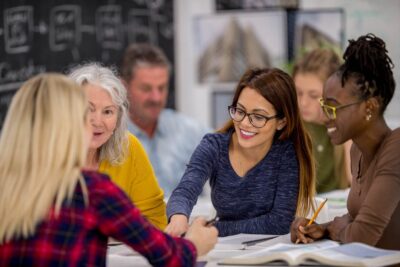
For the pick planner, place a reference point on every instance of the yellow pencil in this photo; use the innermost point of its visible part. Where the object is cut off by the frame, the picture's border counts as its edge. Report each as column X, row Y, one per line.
column 315, row 215
column 317, row 212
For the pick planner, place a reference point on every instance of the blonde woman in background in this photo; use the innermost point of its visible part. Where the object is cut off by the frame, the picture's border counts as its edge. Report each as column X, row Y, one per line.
column 51, row 213
column 113, row 150
column 332, row 162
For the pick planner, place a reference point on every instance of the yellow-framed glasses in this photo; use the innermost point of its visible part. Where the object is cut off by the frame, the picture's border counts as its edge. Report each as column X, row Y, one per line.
column 330, row 111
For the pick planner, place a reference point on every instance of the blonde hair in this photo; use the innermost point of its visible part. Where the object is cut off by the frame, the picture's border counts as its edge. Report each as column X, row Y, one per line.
column 114, row 150
column 322, row 62
column 42, row 152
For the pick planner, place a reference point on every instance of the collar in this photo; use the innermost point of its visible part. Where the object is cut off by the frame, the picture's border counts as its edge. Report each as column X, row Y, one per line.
column 161, row 128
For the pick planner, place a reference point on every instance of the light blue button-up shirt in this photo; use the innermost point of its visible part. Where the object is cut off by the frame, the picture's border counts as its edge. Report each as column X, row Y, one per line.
column 171, row 147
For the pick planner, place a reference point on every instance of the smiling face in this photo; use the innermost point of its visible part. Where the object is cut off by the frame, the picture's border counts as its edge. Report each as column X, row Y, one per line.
column 103, row 115
column 309, row 90
column 350, row 121
column 247, row 135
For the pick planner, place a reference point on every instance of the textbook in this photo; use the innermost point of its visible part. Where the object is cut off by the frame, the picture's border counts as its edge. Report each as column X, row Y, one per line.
column 325, row 252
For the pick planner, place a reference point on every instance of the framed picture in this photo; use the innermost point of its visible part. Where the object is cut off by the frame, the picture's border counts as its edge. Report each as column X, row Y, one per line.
column 318, row 28
column 221, row 99
column 229, row 43
column 222, row 5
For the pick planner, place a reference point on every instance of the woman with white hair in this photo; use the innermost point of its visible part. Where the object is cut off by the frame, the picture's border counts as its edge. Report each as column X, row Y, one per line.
column 54, row 214
column 113, row 150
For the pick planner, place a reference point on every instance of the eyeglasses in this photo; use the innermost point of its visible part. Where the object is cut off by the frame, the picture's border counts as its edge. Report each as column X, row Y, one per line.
column 257, row 120
column 330, row 111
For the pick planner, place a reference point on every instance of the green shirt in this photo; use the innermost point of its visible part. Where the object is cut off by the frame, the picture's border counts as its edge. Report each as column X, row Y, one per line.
column 329, row 168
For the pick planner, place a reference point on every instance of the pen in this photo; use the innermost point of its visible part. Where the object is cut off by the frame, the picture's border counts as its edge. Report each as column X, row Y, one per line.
column 208, row 223
column 246, row 244
column 212, row 222
column 315, row 215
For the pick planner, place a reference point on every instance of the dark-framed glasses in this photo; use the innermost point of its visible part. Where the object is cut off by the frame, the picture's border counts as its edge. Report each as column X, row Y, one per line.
column 257, row 120
column 330, row 111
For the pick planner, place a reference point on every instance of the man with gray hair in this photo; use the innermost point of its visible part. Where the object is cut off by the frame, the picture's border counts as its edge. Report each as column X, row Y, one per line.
column 168, row 137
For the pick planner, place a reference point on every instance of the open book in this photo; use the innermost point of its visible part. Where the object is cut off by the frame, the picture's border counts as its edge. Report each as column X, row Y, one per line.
column 324, row 252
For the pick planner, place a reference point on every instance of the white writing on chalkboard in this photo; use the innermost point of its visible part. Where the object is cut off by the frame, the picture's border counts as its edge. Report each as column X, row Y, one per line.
column 65, row 22
column 109, row 26
column 18, row 27
column 141, row 27
column 9, row 77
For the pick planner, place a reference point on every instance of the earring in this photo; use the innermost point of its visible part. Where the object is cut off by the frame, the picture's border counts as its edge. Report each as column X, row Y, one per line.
column 369, row 115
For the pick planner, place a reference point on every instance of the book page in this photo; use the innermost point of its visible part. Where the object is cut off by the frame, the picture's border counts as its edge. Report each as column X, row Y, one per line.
column 362, row 251
column 354, row 254
column 283, row 252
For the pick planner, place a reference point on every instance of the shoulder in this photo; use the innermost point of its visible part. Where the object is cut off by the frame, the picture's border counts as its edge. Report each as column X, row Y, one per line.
column 170, row 118
column 133, row 141
column 388, row 159
column 395, row 135
column 135, row 148
column 285, row 146
column 216, row 139
column 95, row 179
column 392, row 141
column 99, row 185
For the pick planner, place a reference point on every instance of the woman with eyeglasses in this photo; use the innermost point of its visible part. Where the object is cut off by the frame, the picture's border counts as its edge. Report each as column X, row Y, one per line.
column 259, row 165
column 310, row 72
column 354, row 100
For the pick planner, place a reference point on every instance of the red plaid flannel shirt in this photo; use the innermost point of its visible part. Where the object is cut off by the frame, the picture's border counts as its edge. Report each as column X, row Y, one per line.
column 78, row 236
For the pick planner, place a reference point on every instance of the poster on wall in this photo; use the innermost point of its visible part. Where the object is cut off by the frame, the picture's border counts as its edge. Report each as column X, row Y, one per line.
column 227, row 44
column 222, row 5
column 221, row 99
column 318, row 28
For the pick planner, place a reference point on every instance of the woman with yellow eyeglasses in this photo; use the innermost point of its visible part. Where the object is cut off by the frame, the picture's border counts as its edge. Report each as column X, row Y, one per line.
column 354, row 100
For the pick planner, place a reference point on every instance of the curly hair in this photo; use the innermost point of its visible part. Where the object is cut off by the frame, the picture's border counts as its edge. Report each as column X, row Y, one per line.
column 367, row 60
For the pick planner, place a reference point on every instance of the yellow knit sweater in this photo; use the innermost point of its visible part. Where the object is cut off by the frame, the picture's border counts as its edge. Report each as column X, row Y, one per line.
column 136, row 177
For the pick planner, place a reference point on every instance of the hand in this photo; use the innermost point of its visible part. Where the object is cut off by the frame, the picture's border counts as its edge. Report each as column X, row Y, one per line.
column 300, row 232
column 203, row 237
column 178, row 225
column 338, row 225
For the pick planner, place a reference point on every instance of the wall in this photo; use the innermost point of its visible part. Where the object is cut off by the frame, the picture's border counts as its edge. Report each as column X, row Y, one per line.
column 362, row 16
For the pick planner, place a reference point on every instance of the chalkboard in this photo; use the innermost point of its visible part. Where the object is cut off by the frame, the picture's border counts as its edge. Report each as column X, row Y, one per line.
column 53, row 35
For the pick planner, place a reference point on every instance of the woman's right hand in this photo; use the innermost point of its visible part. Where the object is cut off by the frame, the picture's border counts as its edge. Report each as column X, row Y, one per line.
column 300, row 232
column 178, row 225
column 203, row 237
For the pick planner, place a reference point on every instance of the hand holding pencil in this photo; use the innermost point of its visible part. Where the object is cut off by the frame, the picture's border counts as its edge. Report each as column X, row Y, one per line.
column 304, row 231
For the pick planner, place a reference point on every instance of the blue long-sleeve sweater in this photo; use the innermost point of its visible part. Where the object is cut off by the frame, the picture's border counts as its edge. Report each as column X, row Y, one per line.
column 261, row 202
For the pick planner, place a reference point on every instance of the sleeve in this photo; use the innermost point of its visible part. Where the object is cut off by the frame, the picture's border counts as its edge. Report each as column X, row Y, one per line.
column 145, row 190
column 278, row 219
column 381, row 201
column 198, row 171
column 119, row 218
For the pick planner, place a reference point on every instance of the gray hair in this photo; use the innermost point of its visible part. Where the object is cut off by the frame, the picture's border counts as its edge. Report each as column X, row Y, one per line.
column 115, row 149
